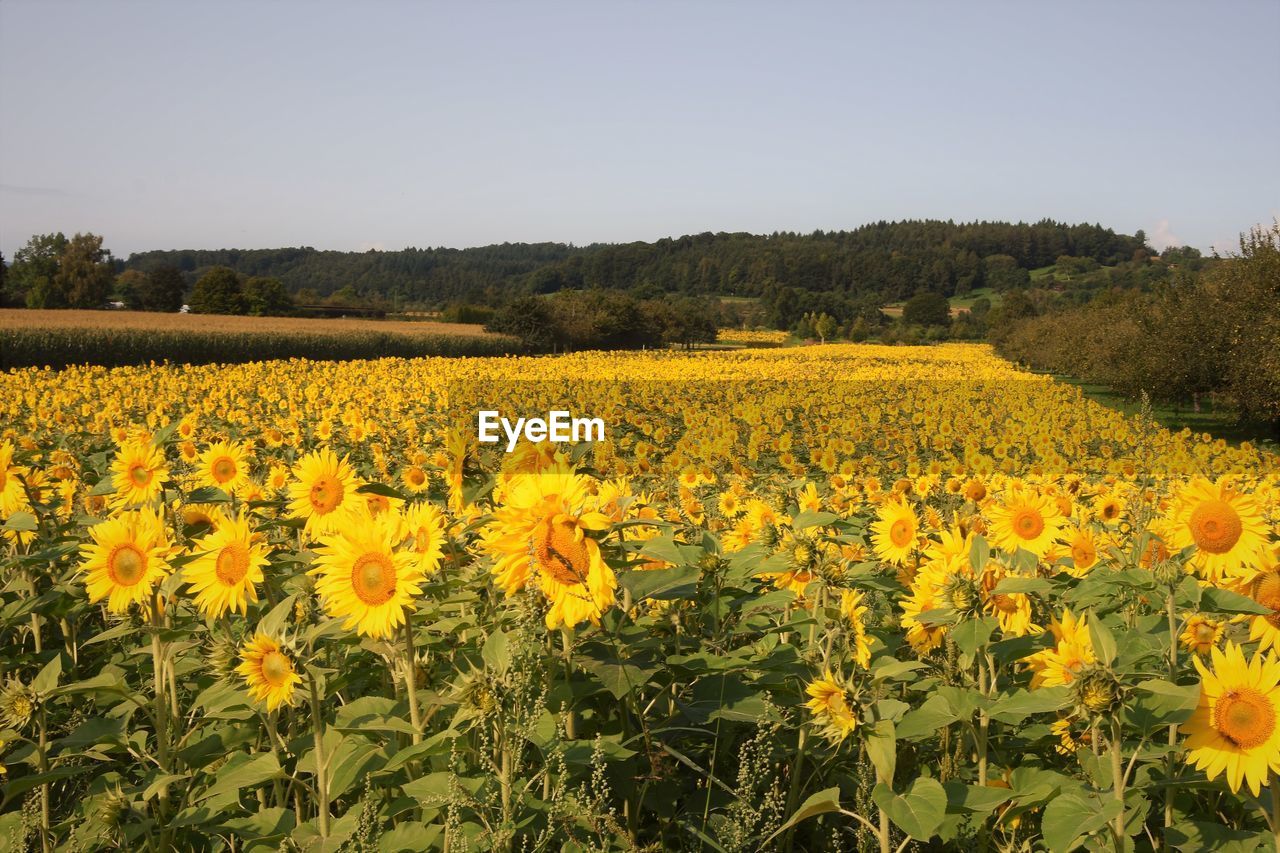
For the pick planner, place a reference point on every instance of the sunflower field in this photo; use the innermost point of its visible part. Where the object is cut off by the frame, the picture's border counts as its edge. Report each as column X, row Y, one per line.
column 842, row 597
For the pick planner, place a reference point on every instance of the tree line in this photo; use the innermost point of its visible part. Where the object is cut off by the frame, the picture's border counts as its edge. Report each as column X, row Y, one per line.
column 1212, row 328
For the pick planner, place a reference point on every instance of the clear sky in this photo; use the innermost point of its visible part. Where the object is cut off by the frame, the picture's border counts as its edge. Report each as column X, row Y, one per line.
column 382, row 124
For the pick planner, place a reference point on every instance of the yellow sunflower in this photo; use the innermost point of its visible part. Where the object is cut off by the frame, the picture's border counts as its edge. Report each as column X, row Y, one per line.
column 1026, row 520
column 12, row 496
column 1072, row 651
column 925, row 595
column 139, row 474
column 268, row 672
column 1225, row 526
column 1264, row 588
column 324, row 491
column 1011, row 609
column 1084, row 552
column 829, row 703
column 223, row 465
column 425, row 529
column 893, row 534
column 1233, row 729
column 539, row 533
column 415, row 479
column 127, row 558
column 1200, row 634
column 223, row 579
column 855, row 614
column 362, row 578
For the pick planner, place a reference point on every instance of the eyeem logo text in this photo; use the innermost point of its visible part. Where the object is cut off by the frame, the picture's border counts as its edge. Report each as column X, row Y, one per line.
column 557, row 426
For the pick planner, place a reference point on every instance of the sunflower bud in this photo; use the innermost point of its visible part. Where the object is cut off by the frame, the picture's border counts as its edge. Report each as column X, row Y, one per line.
column 962, row 595
column 1098, row 692
column 113, row 809
column 222, row 656
column 1167, row 573
column 17, row 704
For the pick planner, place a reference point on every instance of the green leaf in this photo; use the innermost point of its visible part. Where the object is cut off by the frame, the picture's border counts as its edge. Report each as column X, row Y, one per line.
column 1215, row 600
column 882, row 749
column 242, row 771
column 979, row 554
column 925, row 721
column 21, row 522
column 1104, row 642
column 919, row 812
column 410, row 837
column 1071, row 818
column 979, row 799
column 813, row 519
column 277, row 617
column 47, row 680
column 824, row 801
column 382, row 490
column 972, row 634
column 265, row 825
column 497, row 652
column 660, row 584
column 1015, row 706
column 208, row 495
column 1026, row 586
column 1193, row 836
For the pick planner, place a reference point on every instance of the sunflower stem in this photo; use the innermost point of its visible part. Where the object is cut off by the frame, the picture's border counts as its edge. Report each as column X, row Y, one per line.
column 1117, row 782
column 161, row 701
column 1173, row 728
column 1274, row 817
column 42, row 747
column 322, row 769
column 570, row 726
column 980, row 734
column 411, row 678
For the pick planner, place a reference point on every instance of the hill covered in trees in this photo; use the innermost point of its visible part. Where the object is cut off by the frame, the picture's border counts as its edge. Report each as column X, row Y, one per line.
column 842, row 273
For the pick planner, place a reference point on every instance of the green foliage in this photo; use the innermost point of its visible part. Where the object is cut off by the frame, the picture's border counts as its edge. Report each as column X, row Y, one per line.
column 601, row 319
column 927, row 309
column 264, row 296
column 218, row 291
column 162, row 290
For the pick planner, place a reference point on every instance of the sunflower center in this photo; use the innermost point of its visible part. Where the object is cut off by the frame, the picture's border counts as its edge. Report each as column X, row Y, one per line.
column 1083, row 554
column 1266, row 591
column 1205, row 633
column 900, row 533
column 233, row 563
column 126, row 564
column 1245, row 717
column 1005, row 603
column 373, row 578
column 422, row 540
column 378, row 504
column 561, row 554
column 224, row 469
column 326, row 494
column 416, row 476
column 1028, row 523
column 139, row 474
column 275, row 668
column 1215, row 526
column 1110, row 511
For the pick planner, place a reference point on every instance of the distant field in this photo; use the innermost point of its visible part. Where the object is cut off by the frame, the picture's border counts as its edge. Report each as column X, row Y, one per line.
column 113, row 338
column 150, row 321
column 959, row 304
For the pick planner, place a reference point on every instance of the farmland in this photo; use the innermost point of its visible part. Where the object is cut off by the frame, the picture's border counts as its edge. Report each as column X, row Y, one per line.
column 841, row 597
column 56, row 338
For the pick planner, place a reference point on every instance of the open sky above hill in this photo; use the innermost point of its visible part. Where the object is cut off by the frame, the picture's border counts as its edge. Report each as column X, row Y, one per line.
column 381, row 125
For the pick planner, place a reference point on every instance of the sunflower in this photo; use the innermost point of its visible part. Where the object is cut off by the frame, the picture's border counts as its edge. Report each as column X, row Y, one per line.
column 223, row 579
column 829, row 703
column 415, row 479
column 1225, row 526
column 1233, row 729
column 1084, row 552
column 1071, row 653
column 1108, row 508
column 1026, row 520
column 1200, row 634
column 1264, row 588
column 894, row 531
column 323, row 492
column 363, row 579
column 139, row 473
column 538, row 533
column 1011, row 609
column 855, row 614
column 223, row 465
column 127, row 558
column 425, row 530
column 268, row 672
column 925, row 595
column 12, row 496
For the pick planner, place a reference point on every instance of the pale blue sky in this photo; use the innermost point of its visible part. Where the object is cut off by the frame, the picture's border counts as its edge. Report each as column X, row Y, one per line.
column 383, row 124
